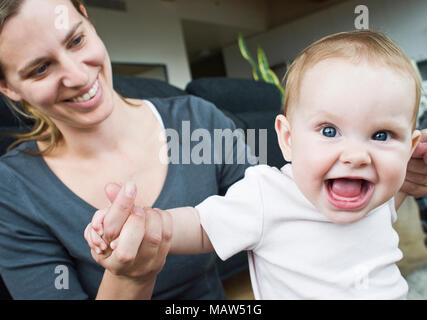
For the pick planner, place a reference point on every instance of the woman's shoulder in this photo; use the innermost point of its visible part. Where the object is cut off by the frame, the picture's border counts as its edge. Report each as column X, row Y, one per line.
column 201, row 113
column 18, row 152
column 16, row 160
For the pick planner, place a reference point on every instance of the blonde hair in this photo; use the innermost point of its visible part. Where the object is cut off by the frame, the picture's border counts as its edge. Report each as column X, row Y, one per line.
column 371, row 46
column 44, row 129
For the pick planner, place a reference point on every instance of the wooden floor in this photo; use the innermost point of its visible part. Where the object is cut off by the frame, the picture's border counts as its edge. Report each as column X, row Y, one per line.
column 238, row 287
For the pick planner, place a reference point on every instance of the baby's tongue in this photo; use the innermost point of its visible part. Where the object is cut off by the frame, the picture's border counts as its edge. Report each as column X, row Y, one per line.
column 347, row 187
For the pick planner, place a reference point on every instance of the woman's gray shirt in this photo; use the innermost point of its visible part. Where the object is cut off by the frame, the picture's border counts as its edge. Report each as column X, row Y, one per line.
column 43, row 254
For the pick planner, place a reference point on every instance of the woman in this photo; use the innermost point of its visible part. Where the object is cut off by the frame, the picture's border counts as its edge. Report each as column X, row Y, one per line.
column 85, row 136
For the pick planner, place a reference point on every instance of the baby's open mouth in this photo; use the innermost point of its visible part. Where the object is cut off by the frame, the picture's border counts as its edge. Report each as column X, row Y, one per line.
column 348, row 193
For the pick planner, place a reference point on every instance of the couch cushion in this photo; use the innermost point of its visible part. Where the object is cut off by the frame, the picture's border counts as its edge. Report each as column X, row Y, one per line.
column 142, row 88
column 237, row 95
column 250, row 104
column 264, row 120
column 10, row 118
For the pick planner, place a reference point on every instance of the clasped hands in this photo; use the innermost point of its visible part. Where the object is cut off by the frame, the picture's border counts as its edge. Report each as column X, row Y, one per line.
column 129, row 240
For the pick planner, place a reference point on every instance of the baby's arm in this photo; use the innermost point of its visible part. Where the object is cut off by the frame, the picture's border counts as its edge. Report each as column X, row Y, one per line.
column 188, row 235
column 238, row 215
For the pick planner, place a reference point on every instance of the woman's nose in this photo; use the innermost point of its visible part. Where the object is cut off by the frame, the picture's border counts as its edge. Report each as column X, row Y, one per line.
column 355, row 157
column 74, row 73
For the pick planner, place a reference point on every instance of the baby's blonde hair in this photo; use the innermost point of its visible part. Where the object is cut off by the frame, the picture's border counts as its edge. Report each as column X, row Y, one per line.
column 369, row 46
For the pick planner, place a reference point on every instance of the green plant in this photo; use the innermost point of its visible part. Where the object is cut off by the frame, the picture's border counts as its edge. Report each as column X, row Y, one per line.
column 260, row 69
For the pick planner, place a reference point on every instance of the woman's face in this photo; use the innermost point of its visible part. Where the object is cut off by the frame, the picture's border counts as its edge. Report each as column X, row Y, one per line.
column 53, row 59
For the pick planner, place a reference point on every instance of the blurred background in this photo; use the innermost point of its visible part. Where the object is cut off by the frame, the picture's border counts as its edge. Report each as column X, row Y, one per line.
column 180, row 40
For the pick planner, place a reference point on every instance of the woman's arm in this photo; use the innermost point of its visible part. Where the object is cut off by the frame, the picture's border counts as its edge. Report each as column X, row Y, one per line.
column 399, row 198
column 114, row 287
column 188, row 238
column 415, row 183
column 144, row 240
column 133, row 265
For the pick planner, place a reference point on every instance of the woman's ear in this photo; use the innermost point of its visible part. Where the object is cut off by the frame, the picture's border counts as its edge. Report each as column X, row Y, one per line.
column 283, row 131
column 9, row 92
column 83, row 10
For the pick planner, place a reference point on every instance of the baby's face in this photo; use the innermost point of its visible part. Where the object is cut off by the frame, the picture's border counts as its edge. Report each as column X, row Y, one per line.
column 350, row 136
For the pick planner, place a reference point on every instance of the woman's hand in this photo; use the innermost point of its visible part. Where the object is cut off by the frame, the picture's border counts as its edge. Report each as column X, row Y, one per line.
column 141, row 236
column 416, row 174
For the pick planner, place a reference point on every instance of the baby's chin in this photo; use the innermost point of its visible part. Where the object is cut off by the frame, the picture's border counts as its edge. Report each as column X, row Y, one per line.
column 344, row 216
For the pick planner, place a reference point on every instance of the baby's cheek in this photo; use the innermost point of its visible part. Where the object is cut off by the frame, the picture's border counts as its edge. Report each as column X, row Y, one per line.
column 392, row 174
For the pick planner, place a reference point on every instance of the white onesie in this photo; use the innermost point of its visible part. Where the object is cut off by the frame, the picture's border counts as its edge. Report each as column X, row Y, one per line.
column 294, row 251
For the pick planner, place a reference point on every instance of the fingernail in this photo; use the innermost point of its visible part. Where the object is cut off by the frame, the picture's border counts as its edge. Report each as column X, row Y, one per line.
column 130, row 189
column 100, row 233
column 97, row 250
column 139, row 211
column 113, row 244
column 103, row 246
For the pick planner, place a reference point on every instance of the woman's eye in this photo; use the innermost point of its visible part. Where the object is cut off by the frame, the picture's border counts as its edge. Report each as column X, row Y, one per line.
column 329, row 132
column 381, row 136
column 77, row 41
column 40, row 70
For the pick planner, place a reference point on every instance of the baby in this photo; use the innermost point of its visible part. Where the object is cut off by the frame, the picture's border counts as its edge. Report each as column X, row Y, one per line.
column 321, row 227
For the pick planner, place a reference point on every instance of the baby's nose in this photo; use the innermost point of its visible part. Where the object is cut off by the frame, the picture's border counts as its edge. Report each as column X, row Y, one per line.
column 355, row 157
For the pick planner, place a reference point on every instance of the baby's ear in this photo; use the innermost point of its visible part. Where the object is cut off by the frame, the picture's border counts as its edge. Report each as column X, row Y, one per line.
column 416, row 137
column 283, row 130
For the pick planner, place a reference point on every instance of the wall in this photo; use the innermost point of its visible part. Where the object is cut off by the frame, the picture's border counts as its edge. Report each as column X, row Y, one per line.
column 404, row 22
column 151, row 31
column 146, row 33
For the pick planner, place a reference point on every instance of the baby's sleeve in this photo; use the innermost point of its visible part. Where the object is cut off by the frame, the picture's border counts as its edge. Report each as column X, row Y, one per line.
column 234, row 222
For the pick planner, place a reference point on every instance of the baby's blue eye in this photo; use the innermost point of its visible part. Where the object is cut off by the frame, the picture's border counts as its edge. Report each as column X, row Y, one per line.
column 381, row 136
column 329, row 132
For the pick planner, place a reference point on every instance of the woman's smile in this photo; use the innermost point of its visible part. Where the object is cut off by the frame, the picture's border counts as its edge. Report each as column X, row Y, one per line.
column 90, row 98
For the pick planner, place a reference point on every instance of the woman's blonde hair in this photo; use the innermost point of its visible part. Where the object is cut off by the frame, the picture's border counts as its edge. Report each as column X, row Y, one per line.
column 44, row 129
column 364, row 45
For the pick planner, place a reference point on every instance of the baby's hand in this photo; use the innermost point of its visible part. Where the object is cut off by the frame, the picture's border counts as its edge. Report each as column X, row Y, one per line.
column 101, row 234
column 95, row 230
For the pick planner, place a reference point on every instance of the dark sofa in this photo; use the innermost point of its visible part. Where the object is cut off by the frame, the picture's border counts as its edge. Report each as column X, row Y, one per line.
column 250, row 104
